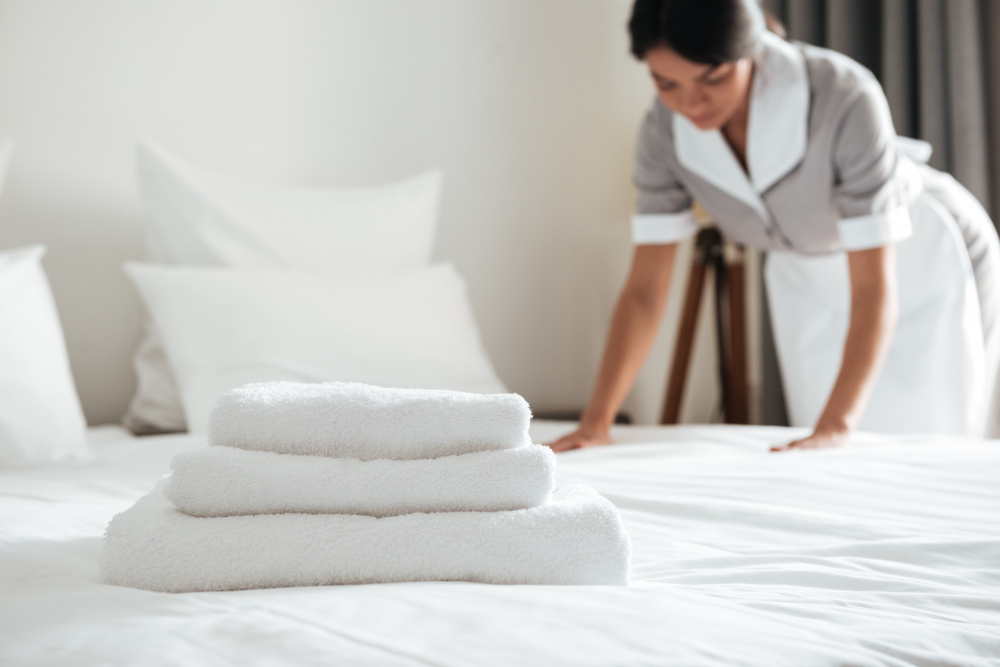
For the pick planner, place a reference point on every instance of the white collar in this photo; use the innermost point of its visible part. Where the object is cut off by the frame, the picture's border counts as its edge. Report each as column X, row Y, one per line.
column 777, row 130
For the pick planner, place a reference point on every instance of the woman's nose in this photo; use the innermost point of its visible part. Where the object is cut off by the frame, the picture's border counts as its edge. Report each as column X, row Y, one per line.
column 694, row 100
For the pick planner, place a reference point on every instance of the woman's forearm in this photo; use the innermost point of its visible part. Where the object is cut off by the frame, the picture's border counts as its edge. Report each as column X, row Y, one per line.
column 874, row 311
column 633, row 330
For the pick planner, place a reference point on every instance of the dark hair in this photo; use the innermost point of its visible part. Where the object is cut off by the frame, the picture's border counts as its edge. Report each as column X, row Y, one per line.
column 703, row 31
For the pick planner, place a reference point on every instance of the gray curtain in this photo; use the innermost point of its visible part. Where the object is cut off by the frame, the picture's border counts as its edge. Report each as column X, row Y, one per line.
column 939, row 63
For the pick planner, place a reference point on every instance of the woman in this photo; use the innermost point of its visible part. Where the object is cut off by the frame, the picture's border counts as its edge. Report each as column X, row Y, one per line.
column 791, row 149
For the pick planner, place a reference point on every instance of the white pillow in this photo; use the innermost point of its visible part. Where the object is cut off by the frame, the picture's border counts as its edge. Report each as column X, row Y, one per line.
column 198, row 217
column 156, row 404
column 40, row 416
column 223, row 328
column 202, row 218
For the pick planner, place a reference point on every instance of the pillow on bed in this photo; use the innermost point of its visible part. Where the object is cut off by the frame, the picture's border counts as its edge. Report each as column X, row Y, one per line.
column 223, row 328
column 201, row 218
column 198, row 217
column 40, row 416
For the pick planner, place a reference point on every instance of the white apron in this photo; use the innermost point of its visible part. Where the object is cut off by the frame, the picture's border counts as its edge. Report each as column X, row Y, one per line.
column 934, row 379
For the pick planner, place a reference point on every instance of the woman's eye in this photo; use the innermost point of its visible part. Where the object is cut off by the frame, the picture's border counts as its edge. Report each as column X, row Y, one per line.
column 666, row 87
column 719, row 78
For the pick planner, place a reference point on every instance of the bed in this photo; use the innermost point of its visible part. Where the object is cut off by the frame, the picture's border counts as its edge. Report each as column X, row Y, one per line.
column 886, row 553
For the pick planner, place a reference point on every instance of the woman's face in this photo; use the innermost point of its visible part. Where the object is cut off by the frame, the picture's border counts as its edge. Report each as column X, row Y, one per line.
column 706, row 95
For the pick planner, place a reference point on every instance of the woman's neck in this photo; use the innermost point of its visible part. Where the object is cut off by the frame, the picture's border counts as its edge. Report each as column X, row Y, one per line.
column 735, row 129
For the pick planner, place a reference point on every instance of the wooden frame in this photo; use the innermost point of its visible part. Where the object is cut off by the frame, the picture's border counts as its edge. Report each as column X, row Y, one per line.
column 730, row 281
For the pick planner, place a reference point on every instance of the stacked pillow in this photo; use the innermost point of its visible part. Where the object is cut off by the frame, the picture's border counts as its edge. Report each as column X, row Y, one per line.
column 223, row 328
column 258, row 283
column 40, row 416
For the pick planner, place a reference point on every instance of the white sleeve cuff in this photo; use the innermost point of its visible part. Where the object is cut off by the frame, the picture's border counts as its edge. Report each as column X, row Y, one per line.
column 876, row 230
column 663, row 227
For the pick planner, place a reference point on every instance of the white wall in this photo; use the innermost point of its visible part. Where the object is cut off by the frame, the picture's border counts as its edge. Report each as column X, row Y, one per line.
column 529, row 105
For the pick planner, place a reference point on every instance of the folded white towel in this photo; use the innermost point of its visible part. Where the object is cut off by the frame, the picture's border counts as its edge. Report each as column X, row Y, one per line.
column 577, row 538
column 224, row 481
column 358, row 421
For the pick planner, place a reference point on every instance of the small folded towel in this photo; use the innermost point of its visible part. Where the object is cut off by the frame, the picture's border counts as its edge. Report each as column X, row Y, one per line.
column 357, row 421
column 577, row 538
column 224, row 481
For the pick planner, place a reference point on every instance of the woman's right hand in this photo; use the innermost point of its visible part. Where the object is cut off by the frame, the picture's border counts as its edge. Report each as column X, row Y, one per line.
column 582, row 437
column 633, row 330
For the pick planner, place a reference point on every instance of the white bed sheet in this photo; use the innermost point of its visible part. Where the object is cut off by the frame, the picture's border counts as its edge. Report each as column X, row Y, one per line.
column 887, row 553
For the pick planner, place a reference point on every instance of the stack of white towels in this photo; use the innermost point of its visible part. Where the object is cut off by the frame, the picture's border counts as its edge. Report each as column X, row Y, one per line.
column 339, row 483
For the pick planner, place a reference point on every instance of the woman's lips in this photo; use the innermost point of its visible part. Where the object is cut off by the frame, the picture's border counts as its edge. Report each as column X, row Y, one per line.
column 704, row 119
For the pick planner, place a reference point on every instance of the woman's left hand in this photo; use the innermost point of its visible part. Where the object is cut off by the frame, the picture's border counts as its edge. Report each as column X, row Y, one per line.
column 819, row 439
column 874, row 311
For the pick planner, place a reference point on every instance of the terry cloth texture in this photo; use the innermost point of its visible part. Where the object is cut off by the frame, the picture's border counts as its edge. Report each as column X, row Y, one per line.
column 224, row 481
column 576, row 539
column 356, row 421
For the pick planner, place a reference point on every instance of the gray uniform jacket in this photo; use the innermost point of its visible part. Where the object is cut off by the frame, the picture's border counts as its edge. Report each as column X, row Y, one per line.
column 822, row 168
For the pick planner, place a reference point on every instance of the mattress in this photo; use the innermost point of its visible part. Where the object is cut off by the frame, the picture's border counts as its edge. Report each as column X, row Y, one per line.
column 885, row 553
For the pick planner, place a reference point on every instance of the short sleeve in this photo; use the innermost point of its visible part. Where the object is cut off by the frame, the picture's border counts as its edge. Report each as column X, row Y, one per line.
column 874, row 188
column 663, row 209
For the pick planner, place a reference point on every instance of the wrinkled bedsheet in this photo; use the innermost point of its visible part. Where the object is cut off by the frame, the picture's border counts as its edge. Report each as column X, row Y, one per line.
column 885, row 553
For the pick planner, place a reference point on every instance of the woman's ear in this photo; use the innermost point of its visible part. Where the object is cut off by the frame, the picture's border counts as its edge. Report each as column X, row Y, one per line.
column 775, row 25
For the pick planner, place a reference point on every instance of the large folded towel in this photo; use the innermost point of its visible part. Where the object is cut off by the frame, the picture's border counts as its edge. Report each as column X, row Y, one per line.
column 224, row 481
column 577, row 538
column 357, row 421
